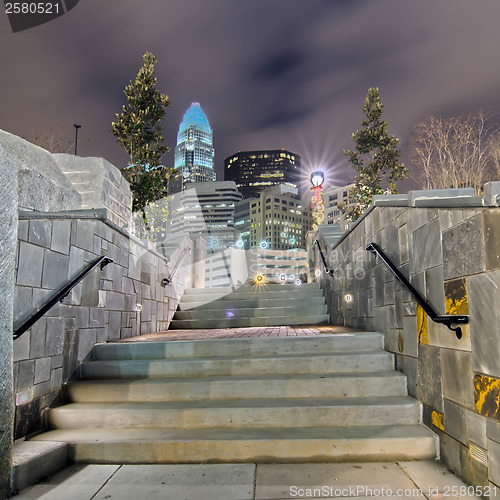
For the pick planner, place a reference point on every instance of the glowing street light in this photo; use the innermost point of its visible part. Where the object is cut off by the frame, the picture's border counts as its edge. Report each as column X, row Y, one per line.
column 317, row 179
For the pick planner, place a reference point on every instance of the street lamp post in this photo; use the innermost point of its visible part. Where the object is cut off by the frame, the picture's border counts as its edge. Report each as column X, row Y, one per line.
column 318, row 201
column 76, row 135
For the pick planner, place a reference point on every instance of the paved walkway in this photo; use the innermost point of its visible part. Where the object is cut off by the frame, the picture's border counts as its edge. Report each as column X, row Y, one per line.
column 238, row 333
column 395, row 480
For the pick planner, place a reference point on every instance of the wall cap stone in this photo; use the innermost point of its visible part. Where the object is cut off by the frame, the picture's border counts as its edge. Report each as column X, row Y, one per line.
column 492, row 194
column 449, row 202
column 439, row 193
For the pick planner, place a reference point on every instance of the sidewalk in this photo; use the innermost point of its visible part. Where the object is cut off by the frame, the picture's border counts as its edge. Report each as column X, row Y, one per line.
column 397, row 480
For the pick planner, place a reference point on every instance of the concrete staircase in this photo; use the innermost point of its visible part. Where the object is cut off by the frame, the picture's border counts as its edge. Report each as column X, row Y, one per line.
column 247, row 305
column 292, row 399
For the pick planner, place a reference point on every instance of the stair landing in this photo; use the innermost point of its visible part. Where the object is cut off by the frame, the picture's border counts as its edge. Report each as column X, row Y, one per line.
column 242, row 333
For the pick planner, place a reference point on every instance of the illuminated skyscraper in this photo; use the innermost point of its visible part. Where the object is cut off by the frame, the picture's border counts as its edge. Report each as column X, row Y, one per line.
column 194, row 153
column 256, row 171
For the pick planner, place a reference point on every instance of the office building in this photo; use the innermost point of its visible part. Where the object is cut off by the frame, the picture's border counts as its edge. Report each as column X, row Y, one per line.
column 333, row 197
column 206, row 208
column 194, row 152
column 256, row 171
column 279, row 219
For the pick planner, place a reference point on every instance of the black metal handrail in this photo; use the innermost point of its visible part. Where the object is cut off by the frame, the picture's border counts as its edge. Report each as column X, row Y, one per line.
column 167, row 281
column 328, row 271
column 60, row 295
column 452, row 321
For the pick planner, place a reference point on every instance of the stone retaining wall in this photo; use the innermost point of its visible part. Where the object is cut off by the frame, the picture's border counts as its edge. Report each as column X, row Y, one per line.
column 53, row 247
column 449, row 249
column 8, row 234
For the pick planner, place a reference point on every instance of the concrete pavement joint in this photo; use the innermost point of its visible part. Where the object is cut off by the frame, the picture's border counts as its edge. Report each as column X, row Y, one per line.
column 106, row 482
column 417, row 487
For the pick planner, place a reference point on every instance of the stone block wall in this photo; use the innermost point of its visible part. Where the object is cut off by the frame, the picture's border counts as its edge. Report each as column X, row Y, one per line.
column 451, row 255
column 100, row 184
column 54, row 247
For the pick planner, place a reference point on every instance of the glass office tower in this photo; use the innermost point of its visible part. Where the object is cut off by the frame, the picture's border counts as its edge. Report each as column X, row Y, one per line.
column 256, row 171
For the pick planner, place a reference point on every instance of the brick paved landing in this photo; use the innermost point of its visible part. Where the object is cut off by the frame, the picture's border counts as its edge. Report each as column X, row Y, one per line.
column 235, row 333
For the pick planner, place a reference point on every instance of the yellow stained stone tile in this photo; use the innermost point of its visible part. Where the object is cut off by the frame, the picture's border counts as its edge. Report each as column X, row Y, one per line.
column 455, row 292
column 437, row 420
column 422, row 328
column 487, row 396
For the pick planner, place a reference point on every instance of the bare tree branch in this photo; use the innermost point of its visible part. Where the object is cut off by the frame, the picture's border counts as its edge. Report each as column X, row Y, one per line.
column 51, row 141
column 453, row 152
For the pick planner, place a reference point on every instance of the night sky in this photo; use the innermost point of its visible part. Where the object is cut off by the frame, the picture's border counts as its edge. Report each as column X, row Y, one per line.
column 269, row 74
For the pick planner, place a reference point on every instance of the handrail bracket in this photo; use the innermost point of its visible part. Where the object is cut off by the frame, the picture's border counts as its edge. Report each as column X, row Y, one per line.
column 330, row 272
column 166, row 281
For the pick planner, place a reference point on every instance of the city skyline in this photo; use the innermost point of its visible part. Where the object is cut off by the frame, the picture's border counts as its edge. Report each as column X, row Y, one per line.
column 270, row 75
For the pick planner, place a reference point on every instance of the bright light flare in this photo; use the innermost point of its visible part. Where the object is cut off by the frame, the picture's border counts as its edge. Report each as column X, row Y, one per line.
column 258, row 279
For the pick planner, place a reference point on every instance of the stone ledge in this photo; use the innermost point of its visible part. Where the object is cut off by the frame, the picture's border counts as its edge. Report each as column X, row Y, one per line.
column 448, row 194
column 390, row 200
column 449, row 202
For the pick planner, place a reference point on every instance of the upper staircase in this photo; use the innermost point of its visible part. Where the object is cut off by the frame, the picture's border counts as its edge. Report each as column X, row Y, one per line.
column 292, row 399
column 247, row 305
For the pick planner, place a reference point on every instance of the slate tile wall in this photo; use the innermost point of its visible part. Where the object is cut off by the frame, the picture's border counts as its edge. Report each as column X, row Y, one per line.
column 101, row 308
column 452, row 257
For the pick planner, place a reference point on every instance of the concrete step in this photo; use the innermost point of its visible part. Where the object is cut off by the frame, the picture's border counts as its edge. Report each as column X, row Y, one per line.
column 254, row 413
column 252, row 288
column 279, row 445
column 323, row 398
column 348, row 362
column 251, row 306
column 237, row 312
column 248, row 322
column 256, row 303
column 32, row 460
column 242, row 347
column 298, row 293
column 236, row 388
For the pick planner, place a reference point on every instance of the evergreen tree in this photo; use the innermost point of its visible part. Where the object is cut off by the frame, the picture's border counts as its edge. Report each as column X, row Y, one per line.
column 375, row 159
column 137, row 128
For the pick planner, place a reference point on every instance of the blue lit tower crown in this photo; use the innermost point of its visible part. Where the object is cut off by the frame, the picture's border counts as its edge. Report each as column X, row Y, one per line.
column 194, row 153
